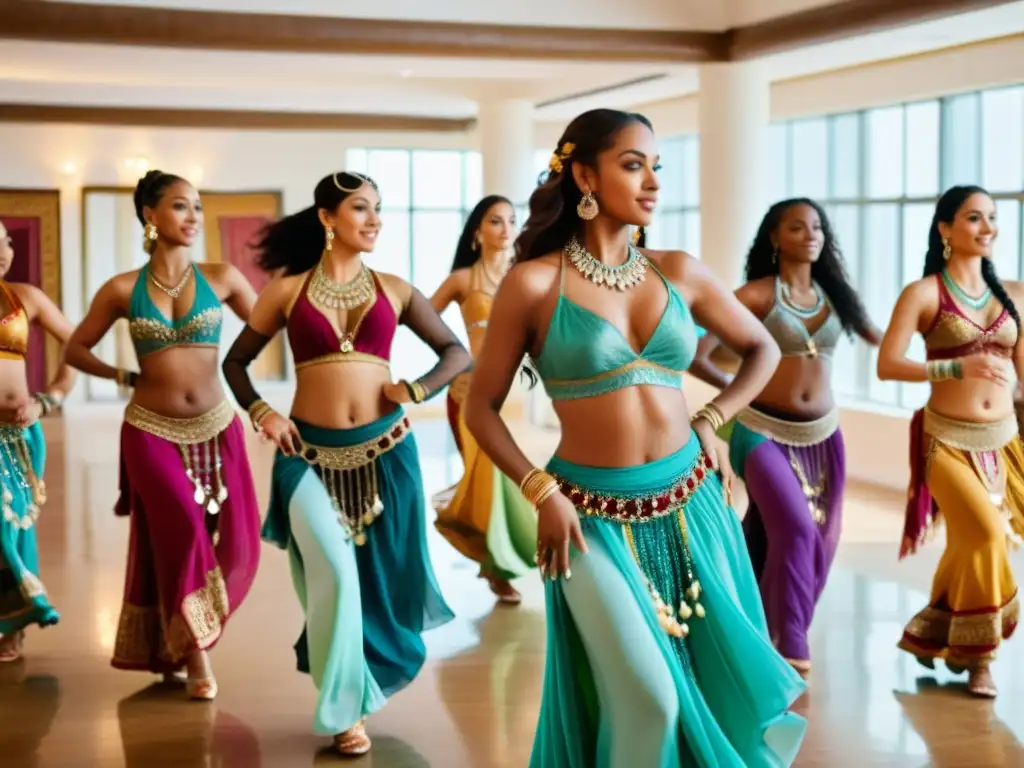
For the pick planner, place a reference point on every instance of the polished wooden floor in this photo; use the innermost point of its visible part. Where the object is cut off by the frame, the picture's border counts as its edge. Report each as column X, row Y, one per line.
column 475, row 703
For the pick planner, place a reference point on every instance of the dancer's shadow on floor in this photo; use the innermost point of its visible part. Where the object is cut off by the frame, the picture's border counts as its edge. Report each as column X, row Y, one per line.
column 159, row 728
column 28, row 706
column 958, row 729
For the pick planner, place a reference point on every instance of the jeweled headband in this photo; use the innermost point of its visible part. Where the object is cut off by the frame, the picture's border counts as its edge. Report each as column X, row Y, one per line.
column 362, row 177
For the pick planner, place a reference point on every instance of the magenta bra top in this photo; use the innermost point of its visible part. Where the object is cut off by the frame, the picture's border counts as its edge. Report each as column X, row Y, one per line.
column 314, row 341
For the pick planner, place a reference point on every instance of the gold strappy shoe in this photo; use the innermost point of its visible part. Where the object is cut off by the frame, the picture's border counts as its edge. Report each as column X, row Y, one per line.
column 354, row 741
column 201, row 688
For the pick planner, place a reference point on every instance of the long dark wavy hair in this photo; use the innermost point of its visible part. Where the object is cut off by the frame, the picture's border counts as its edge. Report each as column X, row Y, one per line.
column 828, row 271
column 465, row 255
column 553, row 220
column 296, row 243
column 149, row 190
column 946, row 209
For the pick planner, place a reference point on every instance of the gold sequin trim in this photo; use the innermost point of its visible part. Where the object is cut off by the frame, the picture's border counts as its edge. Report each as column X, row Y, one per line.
column 153, row 329
column 343, row 357
column 970, row 435
column 198, row 429
column 965, row 637
column 18, row 457
column 799, row 434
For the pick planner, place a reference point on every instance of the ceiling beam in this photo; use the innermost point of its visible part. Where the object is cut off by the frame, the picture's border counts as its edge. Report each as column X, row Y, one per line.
column 218, row 30
column 225, row 118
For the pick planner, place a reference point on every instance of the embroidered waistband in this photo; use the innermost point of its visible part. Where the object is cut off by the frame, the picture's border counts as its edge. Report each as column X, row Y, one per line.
column 343, row 357
column 11, row 433
column 639, row 509
column 970, row 435
column 198, row 429
column 349, row 475
column 798, row 434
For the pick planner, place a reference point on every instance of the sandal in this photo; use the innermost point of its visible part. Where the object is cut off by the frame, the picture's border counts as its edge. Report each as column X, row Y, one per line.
column 506, row 593
column 354, row 741
column 10, row 646
column 201, row 688
column 981, row 684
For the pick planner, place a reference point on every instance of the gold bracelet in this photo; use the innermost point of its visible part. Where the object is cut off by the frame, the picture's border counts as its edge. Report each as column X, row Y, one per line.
column 538, row 486
column 258, row 411
column 417, row 392
column 712, row 414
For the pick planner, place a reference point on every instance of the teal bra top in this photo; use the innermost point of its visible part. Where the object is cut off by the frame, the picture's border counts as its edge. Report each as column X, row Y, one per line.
column 584, row 355
column 150, row 329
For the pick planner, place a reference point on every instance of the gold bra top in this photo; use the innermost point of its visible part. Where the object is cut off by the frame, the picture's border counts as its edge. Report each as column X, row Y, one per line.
column 476, row 309
column 953, row 334
column 14, row 327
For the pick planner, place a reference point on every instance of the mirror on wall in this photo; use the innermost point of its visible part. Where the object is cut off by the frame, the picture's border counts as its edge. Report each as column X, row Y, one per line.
column 112, row 243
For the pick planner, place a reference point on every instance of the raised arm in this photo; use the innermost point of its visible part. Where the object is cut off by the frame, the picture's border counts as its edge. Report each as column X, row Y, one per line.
column 423, row 320
column 723, row 315
column 703, row 366
column 108, row 306
column 265, row 320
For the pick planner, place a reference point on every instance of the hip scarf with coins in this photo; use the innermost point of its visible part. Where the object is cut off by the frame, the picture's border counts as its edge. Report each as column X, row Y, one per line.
column 973, row 474
column 194, row 544
column 23, row 598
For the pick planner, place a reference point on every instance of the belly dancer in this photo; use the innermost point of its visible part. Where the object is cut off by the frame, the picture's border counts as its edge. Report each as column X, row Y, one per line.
column 185, row 477
column 966, row 458
column 658, row 653
column 23, row 597
column 787, row 446
column 484, row 516
column 347, row 498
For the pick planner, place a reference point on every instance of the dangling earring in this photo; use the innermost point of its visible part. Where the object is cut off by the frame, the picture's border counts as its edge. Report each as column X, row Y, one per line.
column 149, row 237
column 775, row 255
column 587, row 209
column 947, row 249
column 476, row 244
column 329, row 238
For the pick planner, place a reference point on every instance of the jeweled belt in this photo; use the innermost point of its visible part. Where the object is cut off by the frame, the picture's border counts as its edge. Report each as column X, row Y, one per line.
column 16, row 451
column 349, row 473
column 628, row 510
column 798, row 434
column 197, row 441
column 970, row 435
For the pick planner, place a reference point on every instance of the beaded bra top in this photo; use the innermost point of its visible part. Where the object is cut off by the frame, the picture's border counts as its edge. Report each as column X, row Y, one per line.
column 314, row 340
column 953, row 334
column 476, row 309
column 791, row 334
column 584, row 355
column 14, row 327
column 152, row 331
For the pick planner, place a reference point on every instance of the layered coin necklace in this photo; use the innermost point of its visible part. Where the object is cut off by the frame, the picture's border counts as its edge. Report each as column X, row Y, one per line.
column 331, row 295
column 623, row 277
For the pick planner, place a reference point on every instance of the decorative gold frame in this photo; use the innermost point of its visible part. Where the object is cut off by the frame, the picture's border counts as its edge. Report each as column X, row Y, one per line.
column 43, row 204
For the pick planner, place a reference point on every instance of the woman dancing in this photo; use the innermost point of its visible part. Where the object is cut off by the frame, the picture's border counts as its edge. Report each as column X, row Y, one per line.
column 657, row 651
column 966, row 459
column 485, row 516
column 23, row 598
column 347, row 495
column 185, row 477
column 787, row 445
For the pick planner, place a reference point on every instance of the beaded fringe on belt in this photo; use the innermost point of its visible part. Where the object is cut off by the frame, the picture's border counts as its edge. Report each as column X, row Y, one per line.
column 197, row 441
column 349, row 474
column 12, row 443
column 642, row 509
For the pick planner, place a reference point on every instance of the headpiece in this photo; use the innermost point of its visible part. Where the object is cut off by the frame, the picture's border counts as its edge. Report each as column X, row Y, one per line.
column 559, row 156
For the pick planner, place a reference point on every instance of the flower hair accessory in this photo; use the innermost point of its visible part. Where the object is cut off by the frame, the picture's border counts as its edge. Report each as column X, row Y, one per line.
column 559, row 156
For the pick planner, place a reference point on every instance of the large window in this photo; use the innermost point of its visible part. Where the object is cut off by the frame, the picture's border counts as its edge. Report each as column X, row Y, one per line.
column 879, row 173
column 426, row 196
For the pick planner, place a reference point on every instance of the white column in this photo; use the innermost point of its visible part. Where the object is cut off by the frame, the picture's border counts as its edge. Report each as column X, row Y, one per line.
column 506, row 144
column 734, row 108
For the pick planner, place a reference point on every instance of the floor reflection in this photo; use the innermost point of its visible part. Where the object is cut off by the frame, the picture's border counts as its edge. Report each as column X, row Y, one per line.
column 28, row 706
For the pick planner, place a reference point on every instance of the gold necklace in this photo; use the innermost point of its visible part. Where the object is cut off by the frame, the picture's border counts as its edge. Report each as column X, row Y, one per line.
column 329, row 294
column 494, row 281
column 174, row 292
column 623, row 277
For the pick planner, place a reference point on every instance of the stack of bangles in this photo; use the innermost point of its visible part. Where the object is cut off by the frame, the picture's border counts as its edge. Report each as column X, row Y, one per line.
column 49, row 403
column 537, row 487
column 125, row 378
column 712, row 414
column 417, row 392
column 943, row 370
column 258, row 411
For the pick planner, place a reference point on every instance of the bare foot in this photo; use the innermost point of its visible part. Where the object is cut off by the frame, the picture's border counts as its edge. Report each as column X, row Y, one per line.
column 505, row 591
column 981, row 684
column 10, row 646
column 354, row 741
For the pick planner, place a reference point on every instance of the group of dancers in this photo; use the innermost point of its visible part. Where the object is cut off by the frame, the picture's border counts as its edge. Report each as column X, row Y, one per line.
column 675, row 636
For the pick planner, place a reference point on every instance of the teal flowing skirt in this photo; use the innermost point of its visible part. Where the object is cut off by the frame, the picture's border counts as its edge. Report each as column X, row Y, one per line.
column 366, row 605
column 619, row 691
column 23, row 599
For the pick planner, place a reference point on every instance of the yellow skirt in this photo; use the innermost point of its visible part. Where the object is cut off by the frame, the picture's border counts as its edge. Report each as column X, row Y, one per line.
column 485, row 517
column 974, row 604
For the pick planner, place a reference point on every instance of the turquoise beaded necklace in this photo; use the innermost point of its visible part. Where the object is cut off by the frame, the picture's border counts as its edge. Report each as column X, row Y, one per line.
column 962, row 296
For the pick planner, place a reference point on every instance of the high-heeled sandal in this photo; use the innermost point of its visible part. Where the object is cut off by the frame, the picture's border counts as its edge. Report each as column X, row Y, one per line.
column 201, row 688
column 353, row 742
column 980, row 683
column 11, row 645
